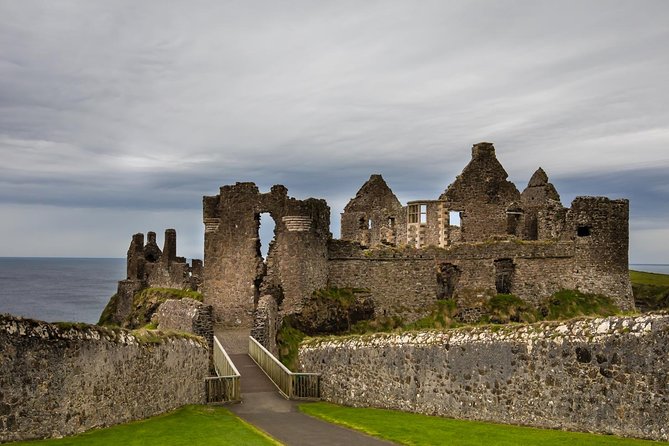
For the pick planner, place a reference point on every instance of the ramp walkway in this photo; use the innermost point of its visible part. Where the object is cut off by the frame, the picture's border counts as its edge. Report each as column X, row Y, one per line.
column 263, row 406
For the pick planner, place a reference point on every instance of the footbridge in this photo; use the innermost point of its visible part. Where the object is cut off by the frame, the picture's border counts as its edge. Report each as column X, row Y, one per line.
column 268, row 394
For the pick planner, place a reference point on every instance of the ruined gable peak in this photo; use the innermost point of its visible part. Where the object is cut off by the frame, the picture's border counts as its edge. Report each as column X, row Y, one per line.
column 483, row 149
column 375, row 192
column 483, row 180
column 539, row 190
column 539, row 178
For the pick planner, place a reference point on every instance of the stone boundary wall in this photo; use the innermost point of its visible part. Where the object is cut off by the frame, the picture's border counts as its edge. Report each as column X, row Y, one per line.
column 607, row 375
column 58, row 380
column 187, row 315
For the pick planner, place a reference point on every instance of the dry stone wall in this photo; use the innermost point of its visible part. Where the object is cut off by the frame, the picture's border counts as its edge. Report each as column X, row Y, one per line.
column 57, row 381
column 608, row 375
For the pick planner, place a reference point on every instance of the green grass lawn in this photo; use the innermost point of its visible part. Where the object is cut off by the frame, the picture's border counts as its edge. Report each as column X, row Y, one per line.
column 187, row 426
column 417, row 430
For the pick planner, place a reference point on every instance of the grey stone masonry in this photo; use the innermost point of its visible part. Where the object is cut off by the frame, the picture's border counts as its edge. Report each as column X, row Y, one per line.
column 607, row 375
column 59, row 380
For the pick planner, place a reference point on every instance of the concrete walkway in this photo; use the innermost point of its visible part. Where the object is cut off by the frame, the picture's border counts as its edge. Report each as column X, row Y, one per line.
column 265, row 408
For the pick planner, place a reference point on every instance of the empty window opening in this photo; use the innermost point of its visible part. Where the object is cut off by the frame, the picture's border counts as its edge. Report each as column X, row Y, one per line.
column 512, row 221
column 532, row 226
column 454, row 218
column 391, row 222
column 414, row 213
column 369, row 224
column 266, row 227
column 583, row 231
column 423, row 214
column 448, row 276
column 504, row 269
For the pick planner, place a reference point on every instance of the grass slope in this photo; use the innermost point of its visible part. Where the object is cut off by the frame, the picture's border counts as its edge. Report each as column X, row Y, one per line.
column 651, row 290
column 187, row 426
column 418, row 430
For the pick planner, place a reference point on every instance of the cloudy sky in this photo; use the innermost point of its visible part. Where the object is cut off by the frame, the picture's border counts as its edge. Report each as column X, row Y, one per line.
column 116, row 117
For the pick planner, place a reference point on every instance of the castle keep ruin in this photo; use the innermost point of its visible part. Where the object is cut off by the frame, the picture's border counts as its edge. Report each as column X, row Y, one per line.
column 479, row 238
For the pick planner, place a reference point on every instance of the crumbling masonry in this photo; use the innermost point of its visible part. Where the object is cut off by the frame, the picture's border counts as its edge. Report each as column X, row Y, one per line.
column 149, row 266
column 480, row 237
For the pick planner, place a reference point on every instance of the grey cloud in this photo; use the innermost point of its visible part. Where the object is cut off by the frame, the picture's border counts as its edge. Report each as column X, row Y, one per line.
column 148, row 106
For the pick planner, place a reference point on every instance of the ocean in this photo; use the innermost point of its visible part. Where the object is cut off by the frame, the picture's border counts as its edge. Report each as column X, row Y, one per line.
column 77, row 290
column 58, row 289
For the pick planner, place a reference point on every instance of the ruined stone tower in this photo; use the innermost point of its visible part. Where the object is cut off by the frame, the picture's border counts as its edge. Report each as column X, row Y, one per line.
column 235, row 274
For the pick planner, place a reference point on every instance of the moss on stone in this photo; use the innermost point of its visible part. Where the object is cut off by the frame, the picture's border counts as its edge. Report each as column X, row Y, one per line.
column 145, row 303
column 288, row 341
column 106, row 318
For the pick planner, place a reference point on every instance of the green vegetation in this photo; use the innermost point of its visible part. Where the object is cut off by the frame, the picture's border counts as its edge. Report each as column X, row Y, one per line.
column 70, row 325
column 651, row 290
column 385, row 324
column 643, row 278
column 499, row 309
column 567, row 304
column 418, row 430
column 187, row 426
column 144, row 304
column 288, row 341
column 344, row 297
column 505, row 308
column 107, row 315
column 443, row 316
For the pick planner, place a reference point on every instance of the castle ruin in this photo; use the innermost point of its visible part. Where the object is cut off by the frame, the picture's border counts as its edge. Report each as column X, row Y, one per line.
column 479, row 238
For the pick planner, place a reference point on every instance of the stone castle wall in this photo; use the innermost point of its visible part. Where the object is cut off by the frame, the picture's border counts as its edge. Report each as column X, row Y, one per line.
column 62, row 381
column 404, row 282
column 607, row 375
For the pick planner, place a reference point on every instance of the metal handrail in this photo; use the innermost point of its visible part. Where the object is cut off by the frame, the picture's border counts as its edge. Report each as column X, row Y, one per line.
column 291, row 385
column 225, row 387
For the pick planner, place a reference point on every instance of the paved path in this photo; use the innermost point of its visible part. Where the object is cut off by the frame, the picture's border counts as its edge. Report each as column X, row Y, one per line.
column 265, row 408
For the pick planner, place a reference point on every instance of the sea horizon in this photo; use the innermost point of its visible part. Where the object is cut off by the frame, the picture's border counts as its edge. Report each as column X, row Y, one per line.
column 76, row 289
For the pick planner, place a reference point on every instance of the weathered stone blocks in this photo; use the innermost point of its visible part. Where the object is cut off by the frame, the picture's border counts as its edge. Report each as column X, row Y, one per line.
column 62, row 380
column 608, row 375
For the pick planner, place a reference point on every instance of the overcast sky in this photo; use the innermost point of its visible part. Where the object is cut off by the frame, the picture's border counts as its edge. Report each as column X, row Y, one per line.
column 117, row 117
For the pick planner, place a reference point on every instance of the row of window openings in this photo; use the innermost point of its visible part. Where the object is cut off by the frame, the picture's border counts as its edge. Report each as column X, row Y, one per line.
column 418, row 214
